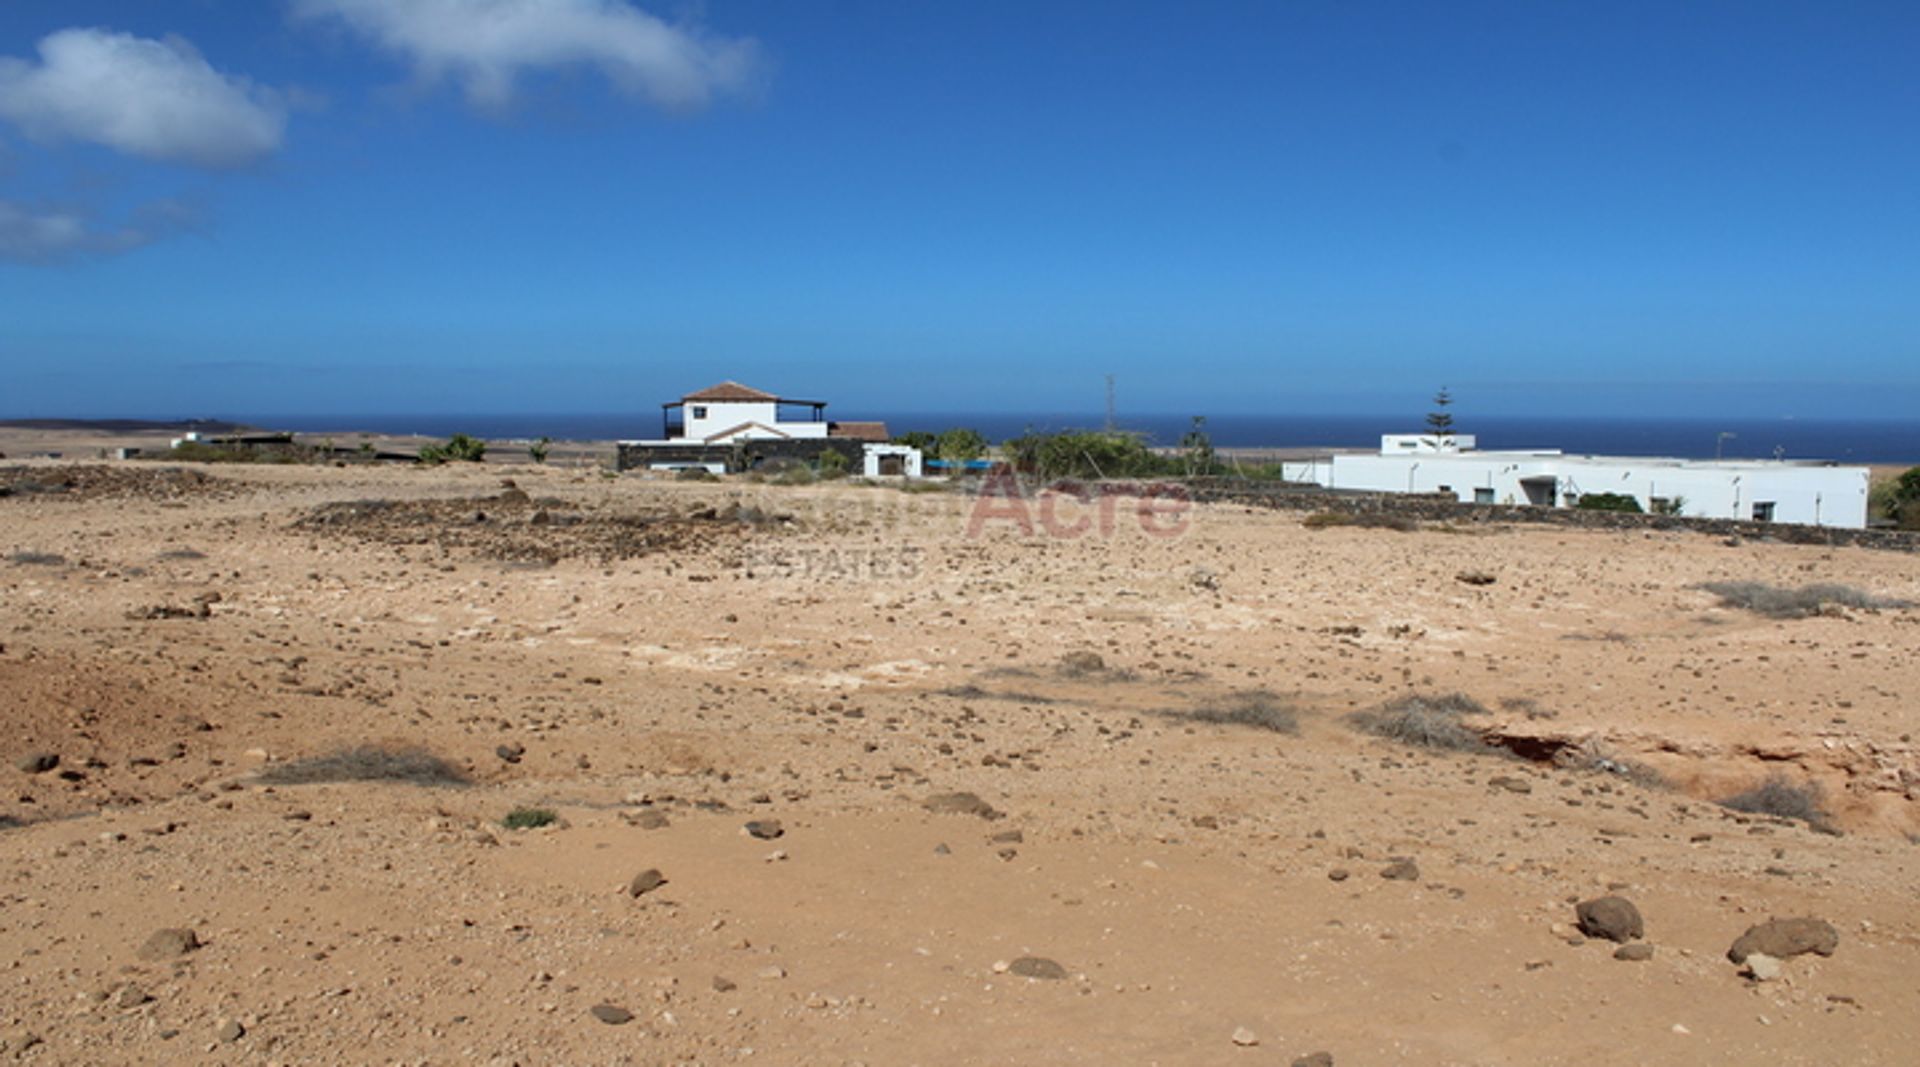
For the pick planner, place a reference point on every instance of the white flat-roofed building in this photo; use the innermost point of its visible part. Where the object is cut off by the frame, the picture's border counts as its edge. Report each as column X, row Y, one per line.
column 1797, row 491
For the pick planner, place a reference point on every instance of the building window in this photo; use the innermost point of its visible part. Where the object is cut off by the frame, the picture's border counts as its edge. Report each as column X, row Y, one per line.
column 699, row 411
column 1483, row 495
column 1763, row 511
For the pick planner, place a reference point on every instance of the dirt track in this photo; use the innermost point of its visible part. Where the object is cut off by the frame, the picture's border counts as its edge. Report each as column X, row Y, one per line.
column 700, row 656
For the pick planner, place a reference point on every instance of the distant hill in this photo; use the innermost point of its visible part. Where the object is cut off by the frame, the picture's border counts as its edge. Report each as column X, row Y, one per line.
column 126, row 425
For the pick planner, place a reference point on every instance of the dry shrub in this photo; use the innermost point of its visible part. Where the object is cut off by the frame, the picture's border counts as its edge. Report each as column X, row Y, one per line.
column 1782, row 799
column 1257, row 708
column 1425, row 721
column 1321, row 520
column 36, row 559
column 530, row 818
column 367, row 763
column 1780, row 602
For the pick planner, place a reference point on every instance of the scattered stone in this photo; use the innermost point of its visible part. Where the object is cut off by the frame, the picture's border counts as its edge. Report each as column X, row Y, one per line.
column 1009, row 837
column 1082, row 663
column 650, row 819
column 1614, row 918
column 1339, row 874
column 1037, row 967
column 1401, row 871
column 131, row 996
column 1510, row 784
column 773, row 971
column 765, row 829
column 510, row 753
column 229, row 1031
column 1475, row 578
column 38, row 762
column 169, row 943
column 1761, row 967
column 1638, row 952
column 724, row 985
column 1315, row 1059
column 1245, row 1038
column 1781, row 938
column 646, row 882
column 960, row 804
column 611, row 1014
column 18, row 1041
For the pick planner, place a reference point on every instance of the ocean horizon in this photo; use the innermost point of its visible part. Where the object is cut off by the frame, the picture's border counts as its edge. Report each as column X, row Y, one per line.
column 1840, row 440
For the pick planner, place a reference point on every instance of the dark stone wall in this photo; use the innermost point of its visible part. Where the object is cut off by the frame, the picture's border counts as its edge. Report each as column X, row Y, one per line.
column 748, row 456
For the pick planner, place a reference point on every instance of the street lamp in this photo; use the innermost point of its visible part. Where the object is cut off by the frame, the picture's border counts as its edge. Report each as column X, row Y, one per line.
column 1720, row 441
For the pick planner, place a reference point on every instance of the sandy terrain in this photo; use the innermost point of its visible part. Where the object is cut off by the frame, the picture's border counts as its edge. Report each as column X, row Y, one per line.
column 660, row 663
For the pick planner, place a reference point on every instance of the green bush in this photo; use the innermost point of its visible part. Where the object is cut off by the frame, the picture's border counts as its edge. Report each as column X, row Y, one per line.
column 529, row 818
column 1608, row 502
column 834, row 464
column 538, row 450
column 1086, row 454
column 459, row 448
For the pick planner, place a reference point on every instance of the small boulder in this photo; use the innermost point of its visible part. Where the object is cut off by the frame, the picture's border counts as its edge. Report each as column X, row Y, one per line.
column 1315, row 1059
column 1781, row 938
column 1401, row 871
column 646, row 882
column 38, row 762
column 765, row 829
column 1082, row 663
column 169, row 943
column 229, row 1030
column 960, row 804
column 1638, row 952
column 1245, row 1038
column 1614, row 918
column 1761, row 967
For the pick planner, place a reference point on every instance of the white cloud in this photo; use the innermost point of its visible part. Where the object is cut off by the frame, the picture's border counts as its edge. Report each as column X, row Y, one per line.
column 157, row 99
column 486, row 45
column 56, row 234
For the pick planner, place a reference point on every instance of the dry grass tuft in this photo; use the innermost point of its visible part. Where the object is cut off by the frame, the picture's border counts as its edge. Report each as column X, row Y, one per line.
column 1780, row 602
column 1425, row 721
column 367, row 763
column 1782, row 799
column 1257, row 708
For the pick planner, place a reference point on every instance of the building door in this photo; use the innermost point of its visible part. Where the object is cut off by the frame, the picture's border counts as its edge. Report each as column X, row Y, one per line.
column 1763, row 511
column 893, row 465
column 1539, row 491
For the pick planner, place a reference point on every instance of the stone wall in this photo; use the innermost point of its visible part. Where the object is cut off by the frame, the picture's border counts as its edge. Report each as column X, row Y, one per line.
column 746, row 456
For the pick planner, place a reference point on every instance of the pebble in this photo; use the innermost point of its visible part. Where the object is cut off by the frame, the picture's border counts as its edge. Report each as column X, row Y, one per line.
column 1638, row 952
column 1315, row 1059
column 1037, row 967
column 1245, row 1038
column 960, row 804
column 1401, row 871
column 1761, row 967
column 773, row 971
column 229, row 1030
column 611, row 1014
column 646, row 882
column 765, row 829
column 38, row 762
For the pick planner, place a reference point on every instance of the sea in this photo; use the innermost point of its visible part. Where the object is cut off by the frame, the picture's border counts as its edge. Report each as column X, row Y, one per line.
column 1889, row 441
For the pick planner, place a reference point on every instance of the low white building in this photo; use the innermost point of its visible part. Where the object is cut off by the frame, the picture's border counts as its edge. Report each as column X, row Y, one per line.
column 1810, row 493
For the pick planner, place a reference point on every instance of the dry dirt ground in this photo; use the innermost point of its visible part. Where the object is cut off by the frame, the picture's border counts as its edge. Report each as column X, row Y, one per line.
column 660, row 664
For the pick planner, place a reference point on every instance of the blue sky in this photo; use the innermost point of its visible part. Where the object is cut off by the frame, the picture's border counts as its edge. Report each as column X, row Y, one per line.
column 228, row 207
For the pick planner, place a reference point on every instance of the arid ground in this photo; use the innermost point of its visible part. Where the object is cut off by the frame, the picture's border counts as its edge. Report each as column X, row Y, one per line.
column 1017, row 798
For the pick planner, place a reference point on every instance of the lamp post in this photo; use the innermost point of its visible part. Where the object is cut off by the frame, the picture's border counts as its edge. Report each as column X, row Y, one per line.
column 1720, row 441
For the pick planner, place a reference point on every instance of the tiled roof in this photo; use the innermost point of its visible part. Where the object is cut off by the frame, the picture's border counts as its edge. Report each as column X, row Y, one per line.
column 730, row 391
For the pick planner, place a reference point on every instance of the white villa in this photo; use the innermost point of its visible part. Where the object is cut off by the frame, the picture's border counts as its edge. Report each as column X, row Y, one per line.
column 1810, row 493
column 711, row 427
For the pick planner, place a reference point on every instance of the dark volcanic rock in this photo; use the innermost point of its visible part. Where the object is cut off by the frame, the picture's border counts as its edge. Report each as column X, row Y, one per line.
column 1781, row 938
column 1614, row 918
column 765, row 829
